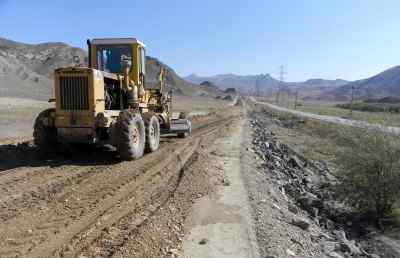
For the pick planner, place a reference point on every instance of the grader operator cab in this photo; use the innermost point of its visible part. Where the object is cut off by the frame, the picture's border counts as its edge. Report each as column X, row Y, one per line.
column 109, row 102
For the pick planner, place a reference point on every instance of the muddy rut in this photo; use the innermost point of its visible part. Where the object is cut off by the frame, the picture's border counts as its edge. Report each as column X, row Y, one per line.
column 71, row 204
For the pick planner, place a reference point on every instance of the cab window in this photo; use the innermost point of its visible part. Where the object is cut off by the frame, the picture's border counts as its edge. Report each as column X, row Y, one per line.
column 111, row 58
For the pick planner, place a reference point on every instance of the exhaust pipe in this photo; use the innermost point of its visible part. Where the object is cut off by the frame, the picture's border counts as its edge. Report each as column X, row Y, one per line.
column 89, row 44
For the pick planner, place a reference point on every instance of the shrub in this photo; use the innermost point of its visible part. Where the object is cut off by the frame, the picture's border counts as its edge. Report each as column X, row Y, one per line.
column 369, row 171
column 371, row 107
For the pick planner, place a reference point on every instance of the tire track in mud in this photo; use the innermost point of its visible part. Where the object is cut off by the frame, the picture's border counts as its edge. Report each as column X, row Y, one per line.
column 112, row 208
column 85, row 206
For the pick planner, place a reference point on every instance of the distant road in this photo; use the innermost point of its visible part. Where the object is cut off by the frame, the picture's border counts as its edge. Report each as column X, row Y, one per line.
column 332, row 119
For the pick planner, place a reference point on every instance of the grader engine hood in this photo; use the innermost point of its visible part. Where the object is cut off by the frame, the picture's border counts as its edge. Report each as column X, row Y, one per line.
column 79, row 96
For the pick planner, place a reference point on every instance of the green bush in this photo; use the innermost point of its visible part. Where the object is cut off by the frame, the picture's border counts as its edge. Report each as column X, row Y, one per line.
column 371, row 107
column 369, row 171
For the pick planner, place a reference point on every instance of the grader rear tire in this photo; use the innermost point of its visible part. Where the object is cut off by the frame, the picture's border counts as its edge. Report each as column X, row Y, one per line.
column 129, row 135
column 152, row 132
column 44, row 136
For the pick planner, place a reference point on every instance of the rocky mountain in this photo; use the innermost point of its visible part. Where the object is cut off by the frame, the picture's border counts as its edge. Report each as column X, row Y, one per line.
column 26, row 70
column 243, row 83
column 321, row 83
column 265, row 83
column 174, row 81
column 386, row 83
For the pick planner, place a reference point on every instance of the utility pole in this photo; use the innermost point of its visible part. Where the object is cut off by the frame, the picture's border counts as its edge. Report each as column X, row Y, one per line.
column 352, row 99
column 257, row 86
column 281, row 75
column 295, row 99
column 353, row 91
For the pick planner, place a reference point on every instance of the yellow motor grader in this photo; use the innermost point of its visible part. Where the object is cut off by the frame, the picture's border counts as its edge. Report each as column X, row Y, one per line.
column 109, row 102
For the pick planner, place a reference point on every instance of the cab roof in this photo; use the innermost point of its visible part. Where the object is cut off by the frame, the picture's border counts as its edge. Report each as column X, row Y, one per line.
column 116, row 41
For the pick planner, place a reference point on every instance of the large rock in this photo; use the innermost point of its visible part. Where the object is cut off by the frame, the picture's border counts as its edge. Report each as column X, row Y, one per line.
column 293, row 208
column 350, row 247
column 373, row 256
column 309, row 201
column 295, row 162
column 329, row 246
column 301, row 222
column 347, row 246
column 335, row 255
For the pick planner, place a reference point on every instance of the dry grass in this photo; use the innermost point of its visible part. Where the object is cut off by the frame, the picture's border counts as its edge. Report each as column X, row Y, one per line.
column 316, row 140
column 324, row 108
column 197, row 104
column 17, row 116
column 329, row 109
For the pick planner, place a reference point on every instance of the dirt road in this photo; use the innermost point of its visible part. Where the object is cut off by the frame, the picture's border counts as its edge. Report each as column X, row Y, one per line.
column 204, row 196
column 89, row 203
column 333, row 119
column 223, row 220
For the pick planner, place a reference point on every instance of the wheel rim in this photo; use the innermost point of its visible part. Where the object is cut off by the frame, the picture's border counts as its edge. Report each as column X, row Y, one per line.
column 152, row 131
column 135, row 136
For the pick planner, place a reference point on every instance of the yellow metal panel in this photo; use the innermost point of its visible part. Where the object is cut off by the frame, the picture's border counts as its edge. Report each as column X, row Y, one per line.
column 134, row 75
column 80, row 118
column 97, row 92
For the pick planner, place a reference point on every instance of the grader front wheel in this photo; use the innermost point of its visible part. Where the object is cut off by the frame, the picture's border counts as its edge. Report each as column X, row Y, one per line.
column 44, row 135
column 129, row 135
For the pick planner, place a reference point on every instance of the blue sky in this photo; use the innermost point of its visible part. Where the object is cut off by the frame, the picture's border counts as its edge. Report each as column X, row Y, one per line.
column 349, row 39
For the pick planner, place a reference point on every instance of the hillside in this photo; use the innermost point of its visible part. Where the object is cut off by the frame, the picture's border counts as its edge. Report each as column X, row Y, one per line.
column 267, row 84
column 174, row 81
column 26, row 70
column 243, row 83
column 322, row 83
column 386, row 83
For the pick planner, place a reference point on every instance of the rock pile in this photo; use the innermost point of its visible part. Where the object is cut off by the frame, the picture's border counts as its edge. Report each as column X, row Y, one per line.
column 308, row 186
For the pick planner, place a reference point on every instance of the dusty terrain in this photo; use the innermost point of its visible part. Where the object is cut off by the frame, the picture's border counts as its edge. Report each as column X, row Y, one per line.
column 243, row 185
column 18, row 115
column 89, row 202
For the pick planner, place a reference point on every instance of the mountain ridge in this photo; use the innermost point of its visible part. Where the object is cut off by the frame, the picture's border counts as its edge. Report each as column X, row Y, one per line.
column 263, row 82
column 383, row 84
column 26, row 70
